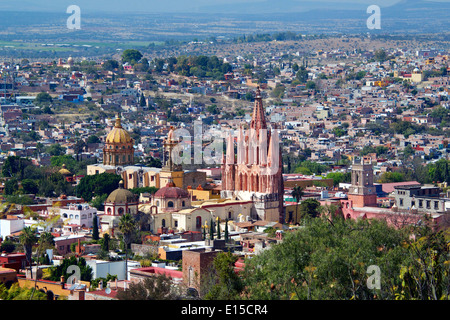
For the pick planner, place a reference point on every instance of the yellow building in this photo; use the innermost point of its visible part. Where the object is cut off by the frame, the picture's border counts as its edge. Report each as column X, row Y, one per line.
column 119, row 146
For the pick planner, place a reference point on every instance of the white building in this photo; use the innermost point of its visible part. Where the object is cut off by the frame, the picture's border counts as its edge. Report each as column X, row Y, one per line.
column 78, row 214
column 10, row 226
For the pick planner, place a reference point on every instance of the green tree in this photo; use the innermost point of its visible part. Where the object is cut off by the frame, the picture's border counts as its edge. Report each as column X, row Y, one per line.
column 388, row 177
column 338, row 177
column 309, row 208
column 95, row 234
column 110, row 65
column 60, row 270
column 11, row 186
column 28, row 239
column 127, row 226
column 43, row 98
column 105, row 242
column 15, row 166
column 132, row 56
column 328, row 260
column 211, row 230
column 56, row 150
column 29, row 186
column 223, row 282
column 297, row 194
column 380, row 55
column 302, row 75
column 96, row 185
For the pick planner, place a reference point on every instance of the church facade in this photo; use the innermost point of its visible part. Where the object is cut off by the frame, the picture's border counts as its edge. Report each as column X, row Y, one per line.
column 253, row 170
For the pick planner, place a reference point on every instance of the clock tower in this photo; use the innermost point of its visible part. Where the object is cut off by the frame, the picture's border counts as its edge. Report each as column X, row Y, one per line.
column 362, row 192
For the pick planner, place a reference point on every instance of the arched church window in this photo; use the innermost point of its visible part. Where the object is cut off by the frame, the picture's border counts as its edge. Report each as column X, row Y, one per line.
column 170, row 204
column 198, row 222
column 183, row 203
column 163, row 223
column 120, row 211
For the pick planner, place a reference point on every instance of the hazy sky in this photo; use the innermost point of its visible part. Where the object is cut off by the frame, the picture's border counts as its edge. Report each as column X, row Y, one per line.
column 156, row 6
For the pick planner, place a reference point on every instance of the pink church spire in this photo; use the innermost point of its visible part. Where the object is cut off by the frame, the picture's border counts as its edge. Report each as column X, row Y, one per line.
column 258, row 118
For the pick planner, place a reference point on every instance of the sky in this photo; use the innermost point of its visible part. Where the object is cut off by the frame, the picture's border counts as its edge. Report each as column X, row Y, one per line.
column 197, row 6
column 158, row 6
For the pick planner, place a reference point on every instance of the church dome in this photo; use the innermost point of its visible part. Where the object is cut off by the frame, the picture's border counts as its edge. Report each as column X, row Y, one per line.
column 171, row 191
column 64, row 171
column 121, row 195
column 118, row 135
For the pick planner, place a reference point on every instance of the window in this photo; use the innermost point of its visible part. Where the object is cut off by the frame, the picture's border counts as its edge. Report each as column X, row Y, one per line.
column 183, row 204
column 436, row 205
column 428, row 204
column 420, row 203
column 176, row 223
column 198, row 222
column 401, row 202
column 157, row 203
column 170, row 204
column 230, row 215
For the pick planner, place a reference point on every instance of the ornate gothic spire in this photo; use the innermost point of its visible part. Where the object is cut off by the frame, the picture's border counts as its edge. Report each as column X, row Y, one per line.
column 258, row 117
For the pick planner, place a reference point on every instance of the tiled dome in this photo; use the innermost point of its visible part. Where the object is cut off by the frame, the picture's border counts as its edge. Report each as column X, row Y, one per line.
column 121, row 195
column 118, row 135
column 171, row 191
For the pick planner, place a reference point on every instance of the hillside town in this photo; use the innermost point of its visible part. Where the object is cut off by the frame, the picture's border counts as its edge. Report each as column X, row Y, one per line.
column 91, row 169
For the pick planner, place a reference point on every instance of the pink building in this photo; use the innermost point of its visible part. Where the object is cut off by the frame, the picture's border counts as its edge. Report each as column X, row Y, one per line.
column 255, row 172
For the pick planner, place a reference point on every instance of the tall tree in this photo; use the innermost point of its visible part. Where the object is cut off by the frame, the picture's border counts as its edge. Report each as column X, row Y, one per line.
column 211, row 230
column 95, row 234
column 28, row 239
column 127, row 226
column 297, row 193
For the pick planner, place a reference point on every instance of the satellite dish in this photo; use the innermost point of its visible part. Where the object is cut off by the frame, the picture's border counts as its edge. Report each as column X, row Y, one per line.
column 108, row 290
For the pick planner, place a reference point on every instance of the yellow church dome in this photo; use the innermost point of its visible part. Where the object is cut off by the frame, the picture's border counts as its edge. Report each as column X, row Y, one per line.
column 64, row 171
column 118, row 135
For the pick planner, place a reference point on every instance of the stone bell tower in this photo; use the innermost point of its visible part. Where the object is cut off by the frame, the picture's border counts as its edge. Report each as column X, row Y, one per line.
column 362, row 191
